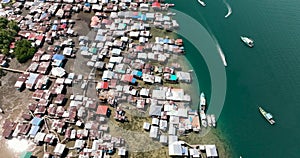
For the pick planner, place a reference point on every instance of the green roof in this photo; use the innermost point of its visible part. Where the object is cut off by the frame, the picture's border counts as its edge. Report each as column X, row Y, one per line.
column 26, row 154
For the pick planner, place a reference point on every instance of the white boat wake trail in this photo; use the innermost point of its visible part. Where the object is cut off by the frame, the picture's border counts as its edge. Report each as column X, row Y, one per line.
column 228, row 8
column 222, row 55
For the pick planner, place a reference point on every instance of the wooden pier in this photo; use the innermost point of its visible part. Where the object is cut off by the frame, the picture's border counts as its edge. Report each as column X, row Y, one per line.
column 21, row 71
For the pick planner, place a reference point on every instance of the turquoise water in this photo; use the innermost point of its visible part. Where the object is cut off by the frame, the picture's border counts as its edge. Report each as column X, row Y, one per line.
column 266, row 75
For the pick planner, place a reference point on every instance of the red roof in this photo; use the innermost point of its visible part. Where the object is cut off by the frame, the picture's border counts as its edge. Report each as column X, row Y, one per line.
column 104, row 85
column 139, row 48
column 31, row 36
column 156, row 4
column 112, row 83
column 63, row 26
column 127, row 78
column 102, row 109
column 12, row 45
column 39, row 37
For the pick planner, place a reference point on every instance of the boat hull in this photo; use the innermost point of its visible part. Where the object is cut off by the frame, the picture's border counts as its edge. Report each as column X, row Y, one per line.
column 267, row 116
column 248, row 41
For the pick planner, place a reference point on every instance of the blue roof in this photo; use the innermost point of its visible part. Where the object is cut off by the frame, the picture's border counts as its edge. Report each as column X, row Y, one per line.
column 54, row 27
column 166, row 40
column 58, row 57
column 36, row 121
column 34, row 129
column 137, row 73
column 5, row 1
column 99, row 38
column 136, row 17
column 84, row 48
column 43, row 15
column 133, row 80
column 173, row 77
column 143, row 17
column 87, row 4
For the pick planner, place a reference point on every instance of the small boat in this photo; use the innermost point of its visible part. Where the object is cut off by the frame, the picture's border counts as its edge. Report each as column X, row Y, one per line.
column 203, row 118
column 202, row 99
column 202, row 102
column 204, row 123
column 202, row 3
column 267, row 115
column 248, row 41
column 208, row 117
column 1, row 111
column 213, row 120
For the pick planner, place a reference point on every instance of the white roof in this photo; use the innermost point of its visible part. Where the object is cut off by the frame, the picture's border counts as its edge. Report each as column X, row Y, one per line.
column 115, row 59
column 18, row 84
column 122, row 151
column 39, row 137
column 163, row 139
column 194, row 153
column 174, row 119
column 163, row 124
column 153, row 132
column 59, row 149
column 175, row 149
column 155, row 121
column 134, row 34
column 144, row 92
column 79, row 143
column 183, row 76
column 159, row 94
column 116, row 51
column 172, row 130
column 67, row 51
column 182, row 112
column 146, row 126
column 58, row 71
column 107, row 75
column 211, row 150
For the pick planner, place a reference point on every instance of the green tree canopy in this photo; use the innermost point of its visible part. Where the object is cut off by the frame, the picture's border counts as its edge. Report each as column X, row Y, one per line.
column 8, row 30
column 23, row 50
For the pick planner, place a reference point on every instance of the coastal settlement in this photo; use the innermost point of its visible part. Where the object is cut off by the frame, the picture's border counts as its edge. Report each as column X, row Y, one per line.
column 82, row 82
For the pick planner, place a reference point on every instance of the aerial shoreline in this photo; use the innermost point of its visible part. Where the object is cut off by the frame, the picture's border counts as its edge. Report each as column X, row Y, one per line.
column 71, row 67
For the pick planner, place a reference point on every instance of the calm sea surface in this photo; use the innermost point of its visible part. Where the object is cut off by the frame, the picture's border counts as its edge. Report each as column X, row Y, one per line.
column 267, row 75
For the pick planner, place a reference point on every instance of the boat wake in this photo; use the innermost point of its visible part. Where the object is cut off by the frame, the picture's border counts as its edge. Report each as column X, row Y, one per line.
column 220, row 51
column 228, row 8
column 222, row 55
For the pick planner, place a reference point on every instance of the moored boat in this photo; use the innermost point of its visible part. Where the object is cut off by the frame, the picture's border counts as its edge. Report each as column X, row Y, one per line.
column 268, row 116
column 202, row 99
column 247, row 41
column 208, row 117
column 213, row 120
column 202, row 102
column 203, row 118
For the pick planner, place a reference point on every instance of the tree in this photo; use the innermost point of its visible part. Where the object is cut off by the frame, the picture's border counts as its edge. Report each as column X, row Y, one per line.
column 24, row 51
column 3, row 22
column 8, row 30
column 13, row 26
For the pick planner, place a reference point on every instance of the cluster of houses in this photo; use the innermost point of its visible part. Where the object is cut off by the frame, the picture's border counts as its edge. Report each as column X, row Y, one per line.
column 173, row 119
column 134, row 67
